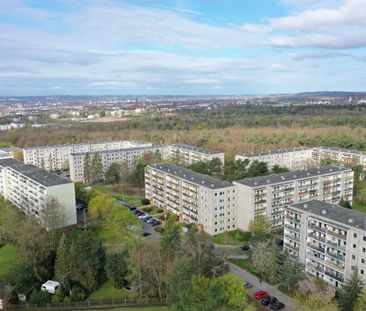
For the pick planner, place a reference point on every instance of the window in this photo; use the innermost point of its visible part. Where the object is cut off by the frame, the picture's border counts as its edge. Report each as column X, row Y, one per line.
column 354, row 246
column 364, row 238
column 355, row 235
column 362, row 260
column 353, row 257
column 362, row 271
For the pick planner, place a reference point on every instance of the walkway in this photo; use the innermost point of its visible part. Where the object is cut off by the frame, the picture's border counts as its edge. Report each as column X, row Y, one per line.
column 291, row 304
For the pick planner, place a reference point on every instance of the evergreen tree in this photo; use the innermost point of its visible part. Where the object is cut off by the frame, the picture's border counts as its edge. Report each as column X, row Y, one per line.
column 351, row 292
column 62, row 264
column 116, row 268
column 291, row 272
column 87, row 168
column 113, row 174
column 96, row 172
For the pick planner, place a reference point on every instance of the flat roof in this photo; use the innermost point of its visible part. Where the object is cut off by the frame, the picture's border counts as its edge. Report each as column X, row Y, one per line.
column 191, row 176
column 119, row 150
column 282, row 178
column 341, row 150
column 278, row 151
column 197, row 149
column 92, row 143
column 35, row 173
column 334, row 212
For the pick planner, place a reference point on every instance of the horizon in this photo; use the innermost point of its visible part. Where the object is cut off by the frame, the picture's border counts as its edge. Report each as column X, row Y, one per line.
column 181, row 48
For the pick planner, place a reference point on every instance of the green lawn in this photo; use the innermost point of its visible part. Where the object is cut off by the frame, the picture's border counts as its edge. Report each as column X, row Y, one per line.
column 137, row 309
column 359, row 207
column 111, row 239
column 232, row 238
column 245, row 264
column 108, row 291
column 9, row 259
column 107, row 189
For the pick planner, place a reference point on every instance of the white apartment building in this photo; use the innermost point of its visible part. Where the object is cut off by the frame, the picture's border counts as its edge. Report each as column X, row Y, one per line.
column 186, row 154
column 199, row 199
column 329, row 239
column 56, row 157
column 30, row 187
column 341, row 156
column 268, row 195
column 293, row 159
column 126, row 156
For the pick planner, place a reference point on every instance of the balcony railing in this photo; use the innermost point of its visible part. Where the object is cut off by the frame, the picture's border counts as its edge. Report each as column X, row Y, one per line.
column 337, row 235
column 316, row 247
column 336, row 256
column 333, row 265
column 293, row 247
column 316, row 237
column 315, row 227
column 292, row 237
column 334, row 276
column 292, row 228
column 337, row 246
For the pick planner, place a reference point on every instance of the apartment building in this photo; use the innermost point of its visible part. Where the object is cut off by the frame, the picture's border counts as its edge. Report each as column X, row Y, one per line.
column 268, row 195
column 293, row 159
column 30, row 187
column 126, row 156
column 199, row 199
column 341, row 156
column 186, row 154
column 56, row 157
column 329, row 239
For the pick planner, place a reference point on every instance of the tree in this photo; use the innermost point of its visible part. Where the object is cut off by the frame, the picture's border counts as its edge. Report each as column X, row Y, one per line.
column 257, row 169
column 116, row 268
column 100, row 206
column 10, row 221
column 276, row 169
column 260, row 226
column 291, row 272
column 113, row 174
column 351, row 292
column 170, row 238
column 96, row 172
column 361, row 301
column 145, row 201
column 345, row 203
column 62, row 263
column 87, row 168
column 264, row 258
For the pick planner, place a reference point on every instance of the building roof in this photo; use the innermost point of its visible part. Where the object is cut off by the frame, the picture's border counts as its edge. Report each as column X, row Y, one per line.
column 357, row 152
column 333, row 212
column 196, row 149
column 283, row 178
column 92, row 143
column 119, row 150
column 35, row 173
column 278, row 151
column 191, row 176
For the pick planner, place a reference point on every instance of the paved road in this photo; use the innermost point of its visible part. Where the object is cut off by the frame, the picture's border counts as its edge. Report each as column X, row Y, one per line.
column 291, row 304
column 149, row 228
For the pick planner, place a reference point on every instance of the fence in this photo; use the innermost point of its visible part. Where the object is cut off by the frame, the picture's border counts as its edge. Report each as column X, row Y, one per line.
column 88, row 304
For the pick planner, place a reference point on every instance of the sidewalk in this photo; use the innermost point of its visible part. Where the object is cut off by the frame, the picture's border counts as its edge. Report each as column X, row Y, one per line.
column 291, row 304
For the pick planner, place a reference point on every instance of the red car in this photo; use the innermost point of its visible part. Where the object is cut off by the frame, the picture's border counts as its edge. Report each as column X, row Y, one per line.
column 260, row 295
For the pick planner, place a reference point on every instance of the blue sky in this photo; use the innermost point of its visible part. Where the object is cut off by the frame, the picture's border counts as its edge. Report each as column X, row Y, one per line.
column 181, row 46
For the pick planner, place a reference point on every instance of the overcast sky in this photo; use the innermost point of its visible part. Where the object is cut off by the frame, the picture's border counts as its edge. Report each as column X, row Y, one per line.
column 181, row 46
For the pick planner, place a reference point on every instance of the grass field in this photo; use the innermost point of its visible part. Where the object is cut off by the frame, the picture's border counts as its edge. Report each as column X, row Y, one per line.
column 232, row 238
column 245, row 264
column 108, row 291
column 359, row 207
column 135, row 309
column 9, row 259
column 108, row 189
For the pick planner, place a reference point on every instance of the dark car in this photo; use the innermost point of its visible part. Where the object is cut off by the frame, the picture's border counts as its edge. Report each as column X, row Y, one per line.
column 276, row 306
column 146, row 234
column 245, row 248
column 156, row 223
column 135, row 211
column 147, row 218
column 268, row 301
column 132, row 208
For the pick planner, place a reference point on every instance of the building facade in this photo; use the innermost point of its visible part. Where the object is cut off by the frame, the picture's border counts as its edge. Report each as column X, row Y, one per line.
column 30, row 187
column 329, row 239
column 268, row 195
column 126, row 156
column 186, row 154
column 293, row 159
column 341, row 156
column 199, row 199
column 56, row 157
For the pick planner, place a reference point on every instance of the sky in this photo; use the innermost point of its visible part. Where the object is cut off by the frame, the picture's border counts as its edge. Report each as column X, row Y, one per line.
column 181, row 47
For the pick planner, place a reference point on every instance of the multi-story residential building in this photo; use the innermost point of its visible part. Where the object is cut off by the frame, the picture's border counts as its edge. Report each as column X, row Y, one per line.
column 293, row 159
column 56, row 157
column 199, row 199
column 341, row 156
column 186, row 154
column 329, row 239
column 30, row 187
column 5, row 154
column 268, row 195
column 126, row 156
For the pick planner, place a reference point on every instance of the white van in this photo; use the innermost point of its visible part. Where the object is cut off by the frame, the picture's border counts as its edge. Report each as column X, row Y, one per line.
column 50, row 287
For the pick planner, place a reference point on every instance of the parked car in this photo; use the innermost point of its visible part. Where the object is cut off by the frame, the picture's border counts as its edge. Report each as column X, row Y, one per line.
column 138, row 213
column 142, row 215
column 132, row 208
column 276, row 306
column 247, row 285
column 151, row 220
column 245, row 248
column 146, row 218
column 135, row 211
column 146, row 234
column 261, row 295
column 268, row 300
column 156, row 223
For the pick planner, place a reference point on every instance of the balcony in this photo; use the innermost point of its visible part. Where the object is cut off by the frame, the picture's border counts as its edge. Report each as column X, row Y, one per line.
column 316, row 227
column 293, row 247
column 315, row 267
column 337, row 246
column 336, row 256
column 334, row 276
column 316, row 247
column 293, row 219
column 292, row 237
column 316, row 237
column 296, row 229
column 334, row 266
column 337, row 235
column 313, row 257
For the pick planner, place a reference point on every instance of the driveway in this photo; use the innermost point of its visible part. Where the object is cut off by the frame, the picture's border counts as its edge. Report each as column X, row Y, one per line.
column 291, row 304
column 149, row 228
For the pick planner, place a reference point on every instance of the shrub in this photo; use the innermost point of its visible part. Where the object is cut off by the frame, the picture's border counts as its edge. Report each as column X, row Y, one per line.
column 40, row 298
column 147, row 209
column 160, row 210
column 145, row 201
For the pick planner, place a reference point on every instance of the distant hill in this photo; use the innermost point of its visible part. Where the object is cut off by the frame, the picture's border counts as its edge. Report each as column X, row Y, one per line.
column 333, row 94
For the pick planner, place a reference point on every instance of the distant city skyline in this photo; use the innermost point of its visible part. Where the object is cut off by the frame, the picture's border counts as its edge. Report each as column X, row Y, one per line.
column 184, row 47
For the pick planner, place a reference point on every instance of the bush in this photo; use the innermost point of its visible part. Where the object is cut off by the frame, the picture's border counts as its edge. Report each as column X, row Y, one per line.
column 40, row 298
column 77, row 293
column 116, row 268
column 147, row 209
column 145, row 201
column 160, row 210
